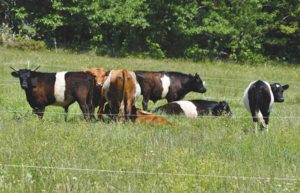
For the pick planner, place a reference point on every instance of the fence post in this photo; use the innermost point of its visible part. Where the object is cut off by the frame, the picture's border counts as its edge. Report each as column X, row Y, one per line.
column 55, row 45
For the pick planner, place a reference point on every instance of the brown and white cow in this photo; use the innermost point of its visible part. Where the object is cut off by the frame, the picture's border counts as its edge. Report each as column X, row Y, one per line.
column 59, row 88
column 121, row 89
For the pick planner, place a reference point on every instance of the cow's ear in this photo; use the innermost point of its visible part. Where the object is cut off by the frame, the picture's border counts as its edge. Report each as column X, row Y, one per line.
column 34, row 81
column 15, row 74
column 285, row 87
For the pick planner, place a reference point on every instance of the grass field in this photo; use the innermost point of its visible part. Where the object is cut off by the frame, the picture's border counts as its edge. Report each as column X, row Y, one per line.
column 191, row 155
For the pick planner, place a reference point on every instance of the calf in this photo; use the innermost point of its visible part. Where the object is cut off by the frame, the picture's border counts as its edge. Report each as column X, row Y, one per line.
column 121, row 88
column 172, row 86
column 60, row 88
column 139, row 116
column 259, row 98
column 100, row 76
column 195, row 108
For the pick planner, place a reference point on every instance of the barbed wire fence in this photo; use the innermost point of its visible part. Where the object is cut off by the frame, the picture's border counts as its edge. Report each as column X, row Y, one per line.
column 133, row 115
column 139, row 172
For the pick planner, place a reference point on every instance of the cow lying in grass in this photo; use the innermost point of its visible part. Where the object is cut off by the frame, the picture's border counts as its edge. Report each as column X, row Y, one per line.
column 172, row 86
column 59, row 88
column 195, row 108
column 259, row 98
column 139, row 116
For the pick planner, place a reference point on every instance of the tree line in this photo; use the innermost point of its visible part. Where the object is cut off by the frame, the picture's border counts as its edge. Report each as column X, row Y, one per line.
column 240, row 30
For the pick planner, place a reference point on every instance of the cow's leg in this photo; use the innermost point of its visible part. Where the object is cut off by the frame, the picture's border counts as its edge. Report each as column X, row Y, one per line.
column 145, row 102
column 91, row 110
column 255, row 119
column 254, row 111
column 266, row 115
column 66, row 112
column 172, row 98
column 128, row 109
column 114, row 110
column 84, row 108
column 101, row 108
column 82, row 95
column 90, row 104
column 39, row 111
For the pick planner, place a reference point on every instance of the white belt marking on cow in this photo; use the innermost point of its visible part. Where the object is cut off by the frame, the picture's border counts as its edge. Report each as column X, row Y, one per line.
column 271, row 95
column 60, row 87
column 246, row 98
column 189, row 108
column 165, row 82
column 138, row 90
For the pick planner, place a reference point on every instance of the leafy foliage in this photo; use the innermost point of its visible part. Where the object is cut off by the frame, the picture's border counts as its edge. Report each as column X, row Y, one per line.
column 247, row 30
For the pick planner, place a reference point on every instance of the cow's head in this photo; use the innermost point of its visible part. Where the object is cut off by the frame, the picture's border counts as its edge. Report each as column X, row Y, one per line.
column 222, row 108
column 27, row 77
column 197, row 84
column 278, row 90
column 99, row 74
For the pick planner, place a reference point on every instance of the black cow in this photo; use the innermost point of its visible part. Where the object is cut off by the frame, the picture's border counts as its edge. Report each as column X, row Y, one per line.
column 194, row 108
column 172, row 86
column 259, row 98
column 60, row 88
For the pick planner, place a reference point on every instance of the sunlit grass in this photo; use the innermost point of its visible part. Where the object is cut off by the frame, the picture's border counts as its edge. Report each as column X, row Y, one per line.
column 210, row 146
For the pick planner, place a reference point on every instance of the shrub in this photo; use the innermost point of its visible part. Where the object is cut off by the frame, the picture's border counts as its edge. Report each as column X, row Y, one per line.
column 11, row 40
column 196, row 53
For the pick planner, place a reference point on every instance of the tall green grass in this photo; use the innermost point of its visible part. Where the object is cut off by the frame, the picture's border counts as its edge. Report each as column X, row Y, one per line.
column 203, row 146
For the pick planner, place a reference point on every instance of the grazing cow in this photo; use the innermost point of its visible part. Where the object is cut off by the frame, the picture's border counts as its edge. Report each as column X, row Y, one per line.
column 121, row 88
column 172, row 86
column 259, row 98
column 60, row 88
column 194, row 108
column 100, row 76
column 139, row 116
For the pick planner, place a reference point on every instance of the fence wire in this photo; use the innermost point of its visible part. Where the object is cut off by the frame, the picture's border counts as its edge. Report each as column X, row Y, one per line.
column 138, row 172
column 147, row 114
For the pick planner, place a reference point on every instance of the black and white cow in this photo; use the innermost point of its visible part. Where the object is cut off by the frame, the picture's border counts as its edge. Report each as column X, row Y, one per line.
column 195, row 108
column 60, row 88
column 170, row 85
column 259, row 98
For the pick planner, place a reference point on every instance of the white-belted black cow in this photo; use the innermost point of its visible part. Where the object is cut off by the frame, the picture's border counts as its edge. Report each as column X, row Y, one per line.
column 59, row 88
column 259, row 98
column 195, row 108
column 170, row 85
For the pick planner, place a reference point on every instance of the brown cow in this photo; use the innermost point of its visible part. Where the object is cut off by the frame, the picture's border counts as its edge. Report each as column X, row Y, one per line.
column 121, row 89
column 140, row 116
column 100, row 76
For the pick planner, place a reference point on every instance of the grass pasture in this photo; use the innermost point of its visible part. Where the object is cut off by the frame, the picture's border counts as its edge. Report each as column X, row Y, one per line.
column 192, row 155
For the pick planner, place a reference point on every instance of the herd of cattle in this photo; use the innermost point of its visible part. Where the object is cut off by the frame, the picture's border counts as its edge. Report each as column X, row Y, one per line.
column 114, row 93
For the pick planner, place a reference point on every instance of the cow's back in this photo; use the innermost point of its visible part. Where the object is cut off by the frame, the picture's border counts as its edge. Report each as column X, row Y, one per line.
column 257, row 95
column 150, row 82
